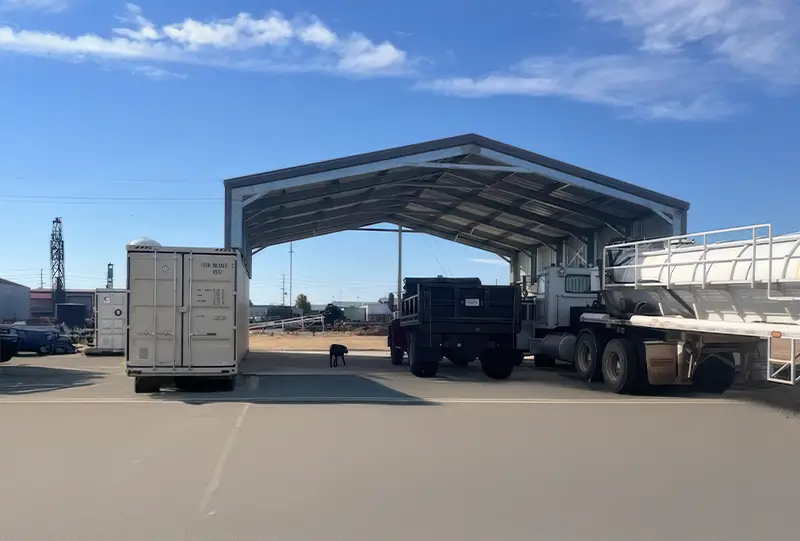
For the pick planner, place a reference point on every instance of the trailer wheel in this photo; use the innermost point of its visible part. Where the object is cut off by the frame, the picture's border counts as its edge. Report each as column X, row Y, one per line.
column 619, row 365
column 146, row 385
column 419, row 358
column 715, row 373
column 498, row 363
column 587, row 352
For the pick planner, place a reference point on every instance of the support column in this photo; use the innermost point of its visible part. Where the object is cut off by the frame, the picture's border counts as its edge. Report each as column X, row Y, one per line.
column 514, row 269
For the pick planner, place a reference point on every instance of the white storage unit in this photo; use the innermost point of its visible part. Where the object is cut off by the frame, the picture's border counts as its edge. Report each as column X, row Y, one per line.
column 110, row 314
column 187, row 312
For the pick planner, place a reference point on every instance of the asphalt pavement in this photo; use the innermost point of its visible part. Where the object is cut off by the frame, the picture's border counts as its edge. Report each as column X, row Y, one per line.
column 303, row 452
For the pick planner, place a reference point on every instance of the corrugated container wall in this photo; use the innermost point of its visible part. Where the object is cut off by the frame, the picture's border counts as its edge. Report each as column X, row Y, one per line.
column 15, row 301
column 187, row 309
column 110, row 316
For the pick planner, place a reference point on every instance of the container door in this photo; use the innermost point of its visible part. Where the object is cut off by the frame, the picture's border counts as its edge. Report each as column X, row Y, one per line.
column 210, row 304
column 110, row 322
column 155, row 325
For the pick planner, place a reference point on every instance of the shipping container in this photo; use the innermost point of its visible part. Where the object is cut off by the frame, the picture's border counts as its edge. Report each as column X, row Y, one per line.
column 184, row 306
column 109, row 318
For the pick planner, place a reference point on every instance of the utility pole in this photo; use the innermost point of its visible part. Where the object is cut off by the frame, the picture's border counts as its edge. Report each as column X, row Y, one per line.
column 398, row 302
column 41, row 278
column 283, row 290
column 291, row 252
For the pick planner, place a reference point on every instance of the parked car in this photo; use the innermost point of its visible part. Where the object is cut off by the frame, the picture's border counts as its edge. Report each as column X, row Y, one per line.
column 42, row 340
column 9, row 343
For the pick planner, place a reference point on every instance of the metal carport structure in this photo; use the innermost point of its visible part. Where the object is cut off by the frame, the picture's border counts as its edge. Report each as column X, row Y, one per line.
column 529, row 209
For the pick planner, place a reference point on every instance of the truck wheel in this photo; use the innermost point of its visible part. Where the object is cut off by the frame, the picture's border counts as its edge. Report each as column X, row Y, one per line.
column 5, row 356
column 715, row 373
column 587, row 347
column 519, row 357
column 498, row 363
column 146, row 385
column 419, row 358
column 619, row 365
column 397, row 356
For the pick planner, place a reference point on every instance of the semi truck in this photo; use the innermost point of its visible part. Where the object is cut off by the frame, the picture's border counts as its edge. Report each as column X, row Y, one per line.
column 455, row 318
column 677, row 310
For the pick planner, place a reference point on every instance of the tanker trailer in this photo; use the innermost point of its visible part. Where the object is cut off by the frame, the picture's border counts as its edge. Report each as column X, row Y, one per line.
column 678, row 311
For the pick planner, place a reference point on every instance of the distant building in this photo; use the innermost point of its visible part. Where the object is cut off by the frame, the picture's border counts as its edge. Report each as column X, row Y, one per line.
column 15, row 301
column 41, row 301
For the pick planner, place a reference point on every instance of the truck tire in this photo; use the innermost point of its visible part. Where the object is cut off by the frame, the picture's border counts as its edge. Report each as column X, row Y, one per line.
column 715, row 373
column 519, row 357
column 498, row 363
column 420, row 359
column 5, row 356
column 588, row 349
column 397, row 356
column 146, row 385
column 620, row 366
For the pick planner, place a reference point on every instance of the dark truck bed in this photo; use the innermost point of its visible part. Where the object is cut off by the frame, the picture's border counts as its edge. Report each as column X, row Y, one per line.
column 456, row 318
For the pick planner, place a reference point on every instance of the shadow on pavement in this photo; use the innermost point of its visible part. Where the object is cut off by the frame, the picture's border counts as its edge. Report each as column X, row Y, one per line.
column 26, row 379
column 297, row 389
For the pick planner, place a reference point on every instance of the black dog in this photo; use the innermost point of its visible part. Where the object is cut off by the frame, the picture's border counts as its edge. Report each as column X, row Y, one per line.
column 337, row 352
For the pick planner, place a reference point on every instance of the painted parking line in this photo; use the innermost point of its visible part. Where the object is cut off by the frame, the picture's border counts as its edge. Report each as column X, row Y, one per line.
column 169, row 399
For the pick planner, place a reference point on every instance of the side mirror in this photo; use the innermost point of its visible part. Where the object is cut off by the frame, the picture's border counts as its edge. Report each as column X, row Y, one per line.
column 392, row 307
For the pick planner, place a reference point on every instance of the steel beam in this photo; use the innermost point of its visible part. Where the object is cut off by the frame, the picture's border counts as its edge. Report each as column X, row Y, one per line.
column 468, row 214
column 252, row 193
column 455, row 233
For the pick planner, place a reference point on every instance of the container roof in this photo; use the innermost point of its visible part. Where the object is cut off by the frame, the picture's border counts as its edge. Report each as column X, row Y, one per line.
column 468, row 189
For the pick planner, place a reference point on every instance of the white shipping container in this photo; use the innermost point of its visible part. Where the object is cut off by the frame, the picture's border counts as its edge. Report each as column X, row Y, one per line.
column 110, row 315
column 184, row 310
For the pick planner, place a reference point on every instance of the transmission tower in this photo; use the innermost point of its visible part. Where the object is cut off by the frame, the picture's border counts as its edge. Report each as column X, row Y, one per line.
column 110, row 276
column 57, row 264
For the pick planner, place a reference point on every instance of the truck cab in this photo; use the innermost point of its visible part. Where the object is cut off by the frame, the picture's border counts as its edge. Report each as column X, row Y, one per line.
column 550, row 307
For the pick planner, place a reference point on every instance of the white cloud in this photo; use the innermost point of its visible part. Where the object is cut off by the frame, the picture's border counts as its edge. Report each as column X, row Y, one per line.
column 757, row 37
column 52, row 6
column 272, row 43
column 158, row 74
column 688, row 55
column 489, row 261
column 663, row 89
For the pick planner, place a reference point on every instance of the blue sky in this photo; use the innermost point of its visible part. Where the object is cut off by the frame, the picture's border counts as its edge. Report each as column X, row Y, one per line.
column 124, row 119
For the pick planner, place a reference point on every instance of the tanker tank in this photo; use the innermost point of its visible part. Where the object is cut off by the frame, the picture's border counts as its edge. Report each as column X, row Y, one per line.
column 716, row 281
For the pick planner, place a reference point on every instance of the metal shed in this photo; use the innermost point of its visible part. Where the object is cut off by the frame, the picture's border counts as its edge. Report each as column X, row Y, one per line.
column 527, row 208
column 15, row 301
